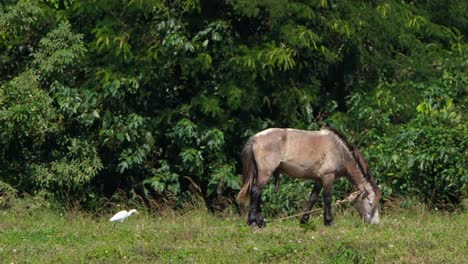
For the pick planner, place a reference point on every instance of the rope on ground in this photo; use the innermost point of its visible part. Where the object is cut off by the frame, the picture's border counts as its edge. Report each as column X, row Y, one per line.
column 351, row 197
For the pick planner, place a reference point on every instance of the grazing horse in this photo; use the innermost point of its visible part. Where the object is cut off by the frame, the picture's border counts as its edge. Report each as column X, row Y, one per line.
column 322, row 156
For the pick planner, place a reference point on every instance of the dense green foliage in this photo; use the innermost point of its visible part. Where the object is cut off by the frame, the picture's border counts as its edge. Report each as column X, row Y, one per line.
column 154, row 99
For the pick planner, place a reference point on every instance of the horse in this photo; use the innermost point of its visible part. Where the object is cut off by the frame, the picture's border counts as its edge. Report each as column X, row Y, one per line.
column 322, row 156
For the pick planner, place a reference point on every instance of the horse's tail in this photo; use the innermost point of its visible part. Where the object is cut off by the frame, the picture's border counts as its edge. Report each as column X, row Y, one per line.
column 249, row 171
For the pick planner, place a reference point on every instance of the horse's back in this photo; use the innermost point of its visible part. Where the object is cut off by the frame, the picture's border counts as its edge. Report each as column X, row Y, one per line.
column 307, row 153
column 298, row 153
column 293, row 139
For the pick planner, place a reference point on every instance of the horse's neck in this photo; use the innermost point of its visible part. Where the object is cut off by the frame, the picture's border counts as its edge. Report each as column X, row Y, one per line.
column 356, row 176
column 359, row 181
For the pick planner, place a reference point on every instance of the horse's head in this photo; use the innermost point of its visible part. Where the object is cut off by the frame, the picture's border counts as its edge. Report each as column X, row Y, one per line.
column 367, row 205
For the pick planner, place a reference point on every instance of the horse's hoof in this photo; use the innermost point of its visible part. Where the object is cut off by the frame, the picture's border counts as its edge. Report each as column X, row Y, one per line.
column 304, row 220
column 260, row 221
column 254, row 226
column 329, row 223
column 251, row 221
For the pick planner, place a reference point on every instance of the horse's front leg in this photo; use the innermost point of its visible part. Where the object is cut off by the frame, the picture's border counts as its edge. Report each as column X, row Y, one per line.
column 327, row 183
column 313, row 198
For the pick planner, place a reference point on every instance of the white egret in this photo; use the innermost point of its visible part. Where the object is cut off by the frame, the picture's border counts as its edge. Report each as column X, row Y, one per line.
column 122, row 215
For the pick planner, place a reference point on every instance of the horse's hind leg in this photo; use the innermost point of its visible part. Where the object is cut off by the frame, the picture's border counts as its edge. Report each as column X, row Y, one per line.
column 255, row 197
column 267, row 157
column 313, row 198
column 276, row 176
column 255, row 213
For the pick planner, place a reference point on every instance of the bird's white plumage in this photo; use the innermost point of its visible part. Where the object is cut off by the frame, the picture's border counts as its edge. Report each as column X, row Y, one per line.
column 122, row 215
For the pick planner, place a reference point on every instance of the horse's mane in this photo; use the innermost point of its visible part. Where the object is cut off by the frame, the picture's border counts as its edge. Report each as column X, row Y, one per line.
column 341, row 136
column 357, row 155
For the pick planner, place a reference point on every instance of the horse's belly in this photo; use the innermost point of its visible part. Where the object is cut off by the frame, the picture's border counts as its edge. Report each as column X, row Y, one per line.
column 301, row 171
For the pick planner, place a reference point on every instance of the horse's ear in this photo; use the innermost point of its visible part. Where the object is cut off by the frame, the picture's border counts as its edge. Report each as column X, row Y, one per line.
column 377, row 196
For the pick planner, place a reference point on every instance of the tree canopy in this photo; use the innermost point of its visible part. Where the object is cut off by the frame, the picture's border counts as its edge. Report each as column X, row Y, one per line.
column 154, row 99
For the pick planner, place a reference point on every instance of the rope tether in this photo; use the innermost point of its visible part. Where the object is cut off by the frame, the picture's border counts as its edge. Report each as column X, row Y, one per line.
column 351, row 197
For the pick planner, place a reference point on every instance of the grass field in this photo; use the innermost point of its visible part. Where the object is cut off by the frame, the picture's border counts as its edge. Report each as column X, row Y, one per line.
column 31, row 234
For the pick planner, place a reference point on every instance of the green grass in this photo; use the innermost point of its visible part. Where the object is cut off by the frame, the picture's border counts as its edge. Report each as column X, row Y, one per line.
column 413, row 235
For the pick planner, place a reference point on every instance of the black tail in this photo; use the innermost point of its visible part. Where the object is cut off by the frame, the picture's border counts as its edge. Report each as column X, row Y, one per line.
column 249, row 171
